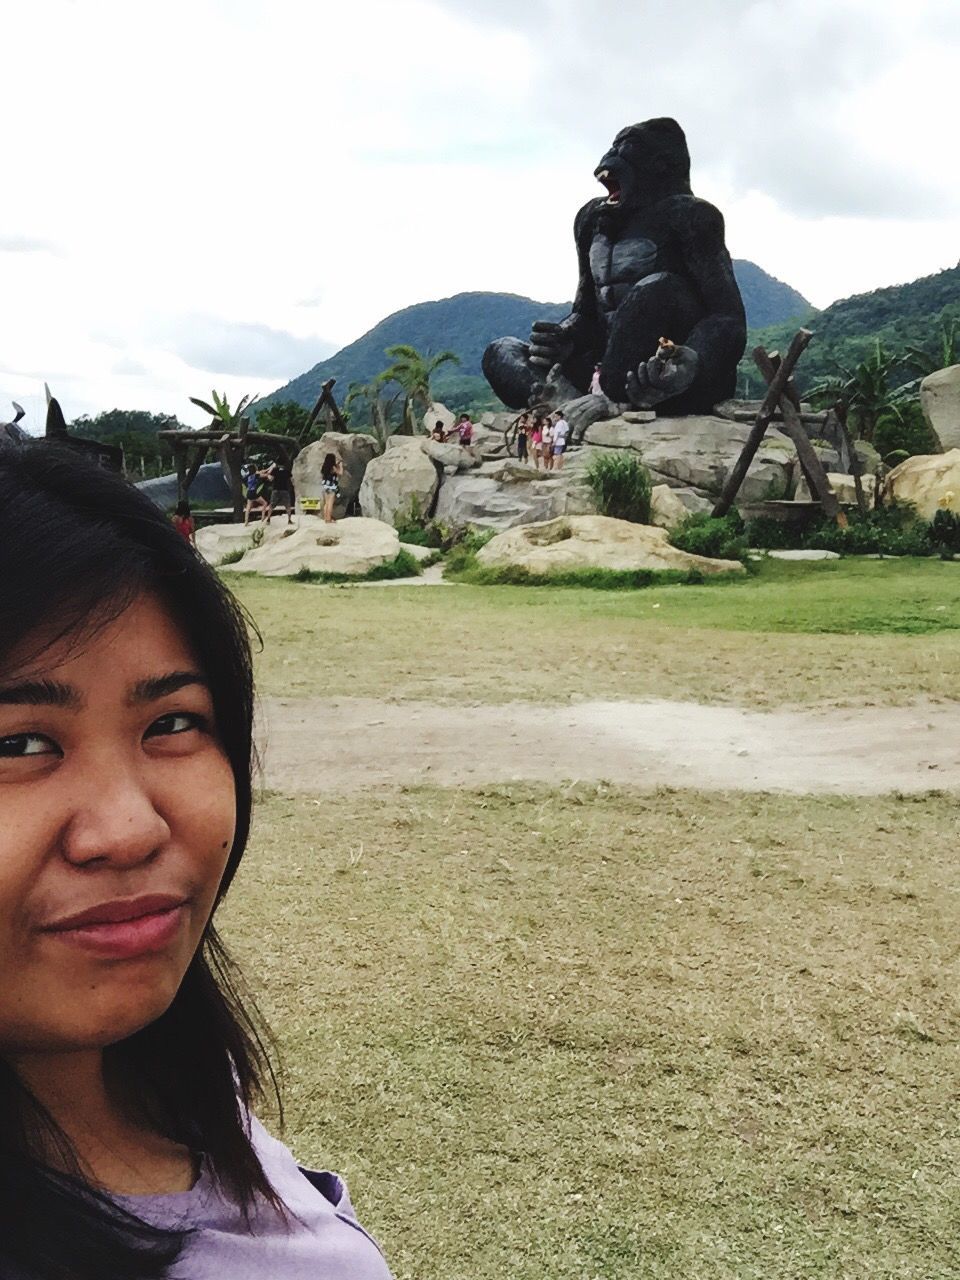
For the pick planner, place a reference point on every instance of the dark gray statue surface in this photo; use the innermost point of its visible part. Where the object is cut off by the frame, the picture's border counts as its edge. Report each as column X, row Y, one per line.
column 653, row 264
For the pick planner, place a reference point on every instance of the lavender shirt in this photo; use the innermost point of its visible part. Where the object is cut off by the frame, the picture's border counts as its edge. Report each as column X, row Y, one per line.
column 321, row 1241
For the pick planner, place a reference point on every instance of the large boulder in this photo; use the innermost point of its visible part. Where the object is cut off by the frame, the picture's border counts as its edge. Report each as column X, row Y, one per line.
column 451, row 457
column 940, row 402
column 352, row 546
column 219, row 542
column 667, row 510
column 401, row 482
column 210, row 485
column 699, row 452
column 354, row 449
column 489, row 502
column 438, row 413
column 594, row 542
column 929, row 481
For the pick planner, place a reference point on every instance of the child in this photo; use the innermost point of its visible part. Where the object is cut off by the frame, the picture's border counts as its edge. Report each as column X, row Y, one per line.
column 184, row 522
column 523, row 435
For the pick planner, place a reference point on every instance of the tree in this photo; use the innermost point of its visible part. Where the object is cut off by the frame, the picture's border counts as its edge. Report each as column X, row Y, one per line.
column 220, row 410
column 863, row 392
column 369, row 402
column 946, row 352
column 286, row 418
column 412, row 371
column 135, row 431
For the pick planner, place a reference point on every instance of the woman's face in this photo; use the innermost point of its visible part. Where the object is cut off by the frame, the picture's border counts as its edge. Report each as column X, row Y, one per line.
column 117, row 813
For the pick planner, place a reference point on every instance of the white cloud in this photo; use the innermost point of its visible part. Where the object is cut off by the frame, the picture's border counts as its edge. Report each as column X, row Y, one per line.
column 211, row 191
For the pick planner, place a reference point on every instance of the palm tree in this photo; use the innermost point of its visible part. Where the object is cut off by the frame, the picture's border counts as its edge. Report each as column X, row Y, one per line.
column 946, row 353
column 864, row 392
column 412, row 371
column 368, row 400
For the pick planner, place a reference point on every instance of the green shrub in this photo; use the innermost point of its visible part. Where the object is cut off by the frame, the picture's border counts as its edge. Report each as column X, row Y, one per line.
column 514, row 575
column 235, row 554
column 890, row 531
column 702, row 535
column 621, row 486
column 773, row 535
column 909, row 434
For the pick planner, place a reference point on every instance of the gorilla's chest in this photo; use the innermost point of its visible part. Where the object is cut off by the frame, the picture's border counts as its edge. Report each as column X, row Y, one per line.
column 618, row 262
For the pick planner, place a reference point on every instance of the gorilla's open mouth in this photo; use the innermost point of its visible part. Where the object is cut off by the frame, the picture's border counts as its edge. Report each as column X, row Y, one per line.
column 614, row 190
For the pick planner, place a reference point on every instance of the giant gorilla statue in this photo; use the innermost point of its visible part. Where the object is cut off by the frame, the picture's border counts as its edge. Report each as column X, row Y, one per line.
column 653, row 263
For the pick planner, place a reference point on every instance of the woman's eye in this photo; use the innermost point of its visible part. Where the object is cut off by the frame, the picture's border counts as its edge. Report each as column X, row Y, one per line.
column 19, row 745
column 178, row 722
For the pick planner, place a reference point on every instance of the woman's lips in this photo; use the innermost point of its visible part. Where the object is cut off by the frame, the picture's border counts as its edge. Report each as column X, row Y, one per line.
column 124, row 930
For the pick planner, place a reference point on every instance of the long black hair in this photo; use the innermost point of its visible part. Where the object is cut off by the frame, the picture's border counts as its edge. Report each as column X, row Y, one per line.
column 77, row 546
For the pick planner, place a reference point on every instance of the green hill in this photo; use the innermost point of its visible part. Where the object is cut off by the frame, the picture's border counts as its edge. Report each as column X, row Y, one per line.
column 899, row 315
column 467, row 322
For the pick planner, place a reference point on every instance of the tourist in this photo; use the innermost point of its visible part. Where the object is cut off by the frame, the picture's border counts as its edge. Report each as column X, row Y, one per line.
column 280, row 479
column 546, row 442
column 523, row 437
column 561, row 429
column 464, row 430
column 129, row 1064
column 184, row 522
column 536, row 441
column 595, row 388
column 438, row 432
column 330, row 472
column 256, row 501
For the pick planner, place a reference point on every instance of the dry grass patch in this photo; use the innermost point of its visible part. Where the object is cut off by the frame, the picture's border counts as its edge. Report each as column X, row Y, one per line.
column 841, row 633
column 597, row 1033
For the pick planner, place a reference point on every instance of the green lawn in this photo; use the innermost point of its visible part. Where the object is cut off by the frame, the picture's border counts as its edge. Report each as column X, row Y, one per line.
column 837, row 632
column 599, row 1033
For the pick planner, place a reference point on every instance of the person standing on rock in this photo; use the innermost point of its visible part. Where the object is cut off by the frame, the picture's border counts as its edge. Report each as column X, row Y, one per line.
column 546, row 437
column 523, row 437
column 464, row 430
column 536, row 441
column 595, row 388
column 279, row 476
column 330, row 474
column 256, row 500
column 561, row 429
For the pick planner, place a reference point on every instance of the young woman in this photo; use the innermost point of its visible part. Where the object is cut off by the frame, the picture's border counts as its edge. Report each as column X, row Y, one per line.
column 256, row 498
column 523, row 437
column 331, row 470
column 536, row 441
column 546, row 438
column 128, row 1064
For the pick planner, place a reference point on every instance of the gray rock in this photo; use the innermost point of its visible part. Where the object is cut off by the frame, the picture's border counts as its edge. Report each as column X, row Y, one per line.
column 401, row 479
column 699, row 451
column 451, row 456
column 804, row 555
column 438, row 413
column 354, row 449
column 940, row 402
column 488, row 503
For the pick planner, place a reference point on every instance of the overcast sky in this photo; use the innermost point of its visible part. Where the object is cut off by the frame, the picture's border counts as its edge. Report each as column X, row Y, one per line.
column 207, row 193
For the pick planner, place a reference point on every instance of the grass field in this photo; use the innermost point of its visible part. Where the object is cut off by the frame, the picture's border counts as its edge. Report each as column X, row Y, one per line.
column 850, row 631
column 595, row 1033
column 584, row 1033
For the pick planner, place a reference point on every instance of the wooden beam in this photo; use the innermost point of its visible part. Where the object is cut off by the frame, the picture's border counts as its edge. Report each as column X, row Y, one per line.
column 793, row 427
column 771, row 400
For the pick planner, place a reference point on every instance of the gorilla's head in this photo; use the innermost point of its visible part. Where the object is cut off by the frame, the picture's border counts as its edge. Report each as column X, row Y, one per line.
column 646, row 162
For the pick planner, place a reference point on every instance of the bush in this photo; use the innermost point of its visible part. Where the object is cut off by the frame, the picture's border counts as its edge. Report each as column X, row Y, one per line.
column 621, row 486
column 909, row 435
column 890, row 531
column 702, row 535
column 773, row 535
column 514, row 575
column 944, row 533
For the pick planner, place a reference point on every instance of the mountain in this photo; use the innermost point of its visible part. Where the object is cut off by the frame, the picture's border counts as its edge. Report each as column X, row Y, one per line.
column 467, row 322
column 899, row 315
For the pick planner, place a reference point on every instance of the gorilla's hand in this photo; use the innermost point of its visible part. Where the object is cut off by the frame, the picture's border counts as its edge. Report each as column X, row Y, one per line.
column 550, row 343
column 658, row 380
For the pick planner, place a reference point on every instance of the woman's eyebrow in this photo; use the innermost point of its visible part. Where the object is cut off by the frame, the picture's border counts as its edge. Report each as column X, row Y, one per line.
column 40, row 693
column 156, row 687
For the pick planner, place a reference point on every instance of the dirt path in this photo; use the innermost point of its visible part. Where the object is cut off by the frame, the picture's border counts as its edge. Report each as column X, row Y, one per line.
column 317, row 745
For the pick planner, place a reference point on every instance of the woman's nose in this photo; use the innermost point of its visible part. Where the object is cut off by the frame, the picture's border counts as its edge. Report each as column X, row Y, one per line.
column 116, row 822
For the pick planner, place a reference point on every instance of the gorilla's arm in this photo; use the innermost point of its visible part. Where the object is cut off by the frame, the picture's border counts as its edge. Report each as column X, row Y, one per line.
column 720, row 337
column 578, row 333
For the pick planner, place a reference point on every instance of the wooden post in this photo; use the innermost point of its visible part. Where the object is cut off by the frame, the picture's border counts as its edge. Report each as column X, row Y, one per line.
column 800, row 342
column 852, row 458
column 180, row 458
column 194, row 468
column 793, row 426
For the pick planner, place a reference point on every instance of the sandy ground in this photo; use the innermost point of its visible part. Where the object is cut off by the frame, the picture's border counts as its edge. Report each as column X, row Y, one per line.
column 317, row 745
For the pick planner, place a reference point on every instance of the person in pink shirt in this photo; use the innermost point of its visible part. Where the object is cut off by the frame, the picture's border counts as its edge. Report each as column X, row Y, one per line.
column 464, row 430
